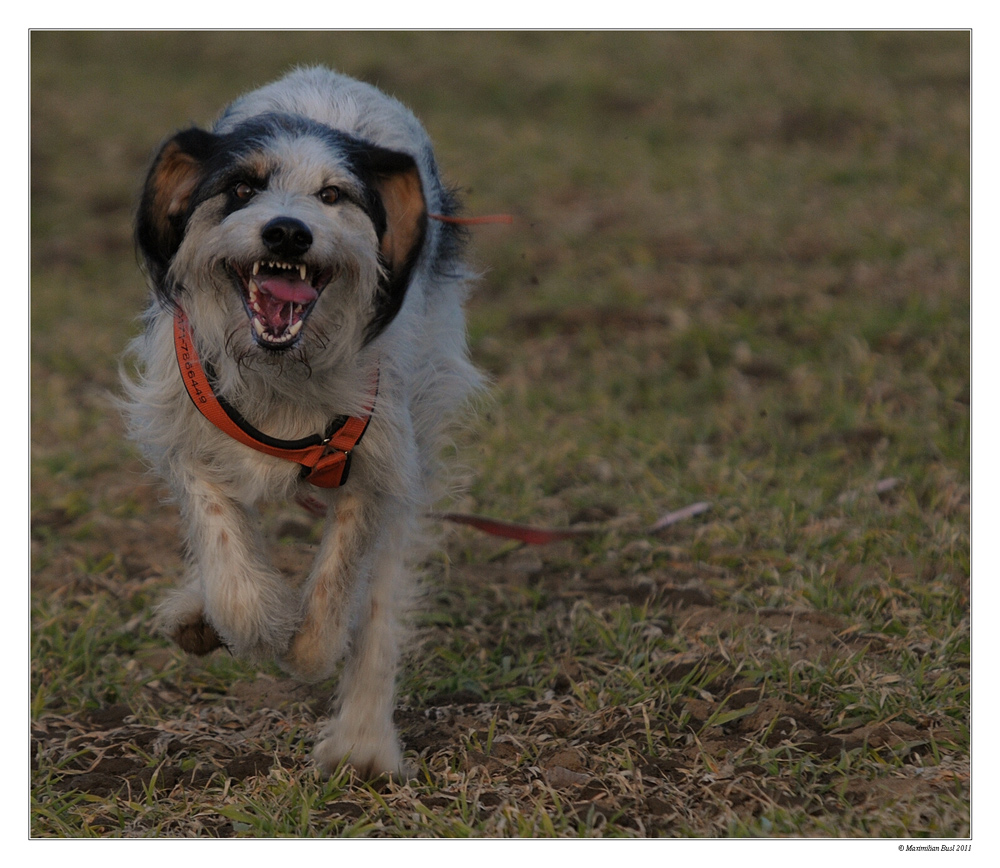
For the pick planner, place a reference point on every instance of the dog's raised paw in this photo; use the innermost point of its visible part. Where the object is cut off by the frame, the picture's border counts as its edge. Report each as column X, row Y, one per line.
column 181, row 617
column 198, row 638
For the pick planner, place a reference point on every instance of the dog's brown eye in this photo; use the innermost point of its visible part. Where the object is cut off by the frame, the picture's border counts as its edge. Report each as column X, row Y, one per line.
column 329, row 195
column 243, row 191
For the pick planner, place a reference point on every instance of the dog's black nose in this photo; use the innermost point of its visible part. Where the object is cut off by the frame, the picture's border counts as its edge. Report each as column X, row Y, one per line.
column 286, row 237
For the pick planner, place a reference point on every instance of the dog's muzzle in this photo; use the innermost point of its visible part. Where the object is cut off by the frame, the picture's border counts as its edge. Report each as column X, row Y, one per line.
column 281, row 289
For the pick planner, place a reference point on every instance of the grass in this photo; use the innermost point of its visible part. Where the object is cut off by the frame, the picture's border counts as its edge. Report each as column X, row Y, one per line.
column 739, row 274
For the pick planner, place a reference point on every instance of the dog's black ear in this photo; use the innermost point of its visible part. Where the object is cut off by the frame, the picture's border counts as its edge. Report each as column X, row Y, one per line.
column 396, row 179
column 163, row 209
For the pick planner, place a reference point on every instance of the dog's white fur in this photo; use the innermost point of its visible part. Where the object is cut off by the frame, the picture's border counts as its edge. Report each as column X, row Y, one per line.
column 354, row 602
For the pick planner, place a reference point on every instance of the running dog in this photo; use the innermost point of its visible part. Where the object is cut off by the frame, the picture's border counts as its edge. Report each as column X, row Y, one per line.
column 305, row 340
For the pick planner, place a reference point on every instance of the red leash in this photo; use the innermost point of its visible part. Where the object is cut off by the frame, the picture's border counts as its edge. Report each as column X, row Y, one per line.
column 535, row 536
column 526, row 533
column 473, row 221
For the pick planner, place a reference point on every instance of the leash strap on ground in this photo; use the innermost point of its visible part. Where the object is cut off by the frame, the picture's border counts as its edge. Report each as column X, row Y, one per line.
column 532, row 535
column 526, row 533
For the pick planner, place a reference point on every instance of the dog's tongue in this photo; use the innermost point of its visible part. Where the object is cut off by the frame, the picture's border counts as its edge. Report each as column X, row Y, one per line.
column 285, row 290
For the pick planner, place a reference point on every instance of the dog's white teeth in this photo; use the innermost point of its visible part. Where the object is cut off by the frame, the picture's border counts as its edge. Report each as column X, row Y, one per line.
column 267, row 337
column 252, row 296
column 279, row 266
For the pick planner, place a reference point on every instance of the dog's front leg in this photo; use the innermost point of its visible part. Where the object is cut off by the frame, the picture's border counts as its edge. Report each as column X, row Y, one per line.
column 233, row 596
column 359, row 587
column 362, row 730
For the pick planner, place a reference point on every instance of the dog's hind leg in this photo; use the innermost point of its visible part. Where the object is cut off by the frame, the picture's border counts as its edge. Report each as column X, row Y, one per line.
column 343, row 561
column 234, row 597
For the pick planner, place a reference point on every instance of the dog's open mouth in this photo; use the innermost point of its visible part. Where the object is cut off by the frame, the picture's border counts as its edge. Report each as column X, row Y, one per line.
column 278, row 297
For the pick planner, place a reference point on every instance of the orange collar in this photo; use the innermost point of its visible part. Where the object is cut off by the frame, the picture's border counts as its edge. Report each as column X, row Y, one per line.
column 325, row 459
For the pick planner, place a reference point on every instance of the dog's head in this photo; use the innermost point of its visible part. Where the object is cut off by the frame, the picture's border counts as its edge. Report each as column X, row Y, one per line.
column 282, row 233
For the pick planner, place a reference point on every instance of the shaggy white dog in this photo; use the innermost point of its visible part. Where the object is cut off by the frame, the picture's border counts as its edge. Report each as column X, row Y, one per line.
column 306, row 321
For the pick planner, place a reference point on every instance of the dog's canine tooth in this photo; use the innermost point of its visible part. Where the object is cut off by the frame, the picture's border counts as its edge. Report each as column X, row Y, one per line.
column 302, row 271
column 295, row 328
column 256, row 268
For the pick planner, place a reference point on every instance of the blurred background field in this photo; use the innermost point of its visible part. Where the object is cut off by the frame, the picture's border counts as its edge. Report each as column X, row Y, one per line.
column 739, row 273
